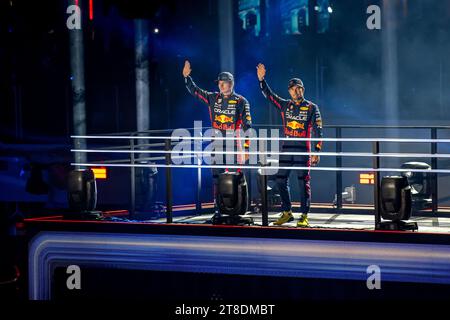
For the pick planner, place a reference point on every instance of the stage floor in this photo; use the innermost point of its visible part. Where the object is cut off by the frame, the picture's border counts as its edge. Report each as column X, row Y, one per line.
column 326, row 220
column 260, row 261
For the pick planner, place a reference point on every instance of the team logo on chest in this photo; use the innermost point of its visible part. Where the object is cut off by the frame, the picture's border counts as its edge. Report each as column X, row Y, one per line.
column 224, row 114
column 298, row 116
column 295, row 125
column 223, row 118
column 230, row 111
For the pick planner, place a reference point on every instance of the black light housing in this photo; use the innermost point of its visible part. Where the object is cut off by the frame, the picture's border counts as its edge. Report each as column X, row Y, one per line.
column 82, row 194
column 420, row 183
column 395, row 204
column 232, row 199
column 273, row 195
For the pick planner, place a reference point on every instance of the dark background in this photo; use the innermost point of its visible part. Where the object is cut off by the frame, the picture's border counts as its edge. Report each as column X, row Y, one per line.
column 341, row 66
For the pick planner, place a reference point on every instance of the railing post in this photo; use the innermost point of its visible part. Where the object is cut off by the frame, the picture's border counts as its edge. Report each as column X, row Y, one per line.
column 169, row 198
column 263, row 177
column 198, row 147
column 338, row 173
column 376, row 185
column 198, row 203
column 249, row 185
column 133, row 179
column 434, row 183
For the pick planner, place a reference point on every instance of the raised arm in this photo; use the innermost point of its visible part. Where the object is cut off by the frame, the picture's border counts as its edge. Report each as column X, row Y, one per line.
column 193, row 89
column 265, row 89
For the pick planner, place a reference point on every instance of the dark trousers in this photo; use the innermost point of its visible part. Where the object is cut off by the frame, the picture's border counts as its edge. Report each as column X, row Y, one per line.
column 303, row 178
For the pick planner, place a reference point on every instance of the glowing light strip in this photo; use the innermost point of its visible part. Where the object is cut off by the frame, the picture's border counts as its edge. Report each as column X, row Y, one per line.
column 267, row 168
column 344, row 154
column 100, row 173
column 181, row 138
column 300, row 258
column 91, row 10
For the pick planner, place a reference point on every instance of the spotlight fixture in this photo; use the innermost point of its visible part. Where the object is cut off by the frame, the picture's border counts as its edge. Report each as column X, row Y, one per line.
column 395, row 204
column 349, row 195
column 232, row 199
column 420, row 183
column 273, row 195
column 82, row 195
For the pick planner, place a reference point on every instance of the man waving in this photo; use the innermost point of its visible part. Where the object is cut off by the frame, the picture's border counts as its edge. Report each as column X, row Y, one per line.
column 301, row 119
column 228, row 111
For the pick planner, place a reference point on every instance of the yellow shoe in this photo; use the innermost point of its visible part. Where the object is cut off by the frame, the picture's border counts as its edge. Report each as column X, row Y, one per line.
column 286, row 216
column 303, row 221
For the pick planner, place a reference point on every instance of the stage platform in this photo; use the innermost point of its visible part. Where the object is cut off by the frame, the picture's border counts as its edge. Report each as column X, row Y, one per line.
column 325, row 220
column 182, row 260
column 323, row 215
column 352, row 218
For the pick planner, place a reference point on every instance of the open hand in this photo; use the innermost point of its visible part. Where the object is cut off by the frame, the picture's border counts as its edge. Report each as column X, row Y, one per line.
column 261, row 71
column 315, row 159
column 187, row 69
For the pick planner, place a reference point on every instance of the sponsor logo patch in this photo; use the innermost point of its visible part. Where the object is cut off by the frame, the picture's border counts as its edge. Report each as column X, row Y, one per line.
column 223, row 118
column 295, row 125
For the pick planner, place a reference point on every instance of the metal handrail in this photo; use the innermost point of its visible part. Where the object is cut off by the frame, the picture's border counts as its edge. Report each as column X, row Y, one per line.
column 433, row 141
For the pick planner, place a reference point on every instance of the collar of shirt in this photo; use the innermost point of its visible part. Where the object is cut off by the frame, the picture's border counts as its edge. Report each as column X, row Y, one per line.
column 298, row 103
column 228, row 96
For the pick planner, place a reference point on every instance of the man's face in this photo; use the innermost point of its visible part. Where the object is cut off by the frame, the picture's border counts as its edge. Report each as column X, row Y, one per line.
column 225, row 87
column 296, row 92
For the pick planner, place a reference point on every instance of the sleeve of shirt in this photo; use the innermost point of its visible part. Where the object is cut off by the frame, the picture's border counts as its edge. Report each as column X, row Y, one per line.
column 317, row 127
column 246, row 119
column 197, row 92
column 271, row 96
